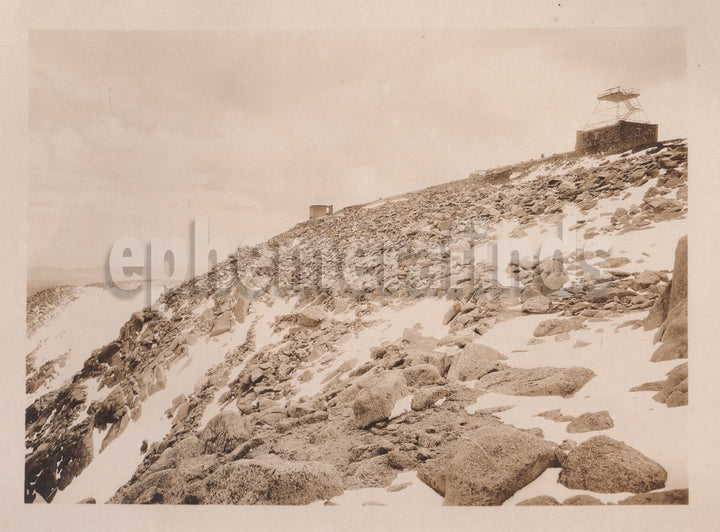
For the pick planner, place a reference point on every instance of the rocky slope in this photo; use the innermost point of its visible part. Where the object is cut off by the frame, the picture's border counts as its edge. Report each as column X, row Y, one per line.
column 480, row 342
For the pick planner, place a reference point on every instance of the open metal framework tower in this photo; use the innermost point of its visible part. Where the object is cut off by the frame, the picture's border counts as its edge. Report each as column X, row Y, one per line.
column 618, row 123
column 616, row 104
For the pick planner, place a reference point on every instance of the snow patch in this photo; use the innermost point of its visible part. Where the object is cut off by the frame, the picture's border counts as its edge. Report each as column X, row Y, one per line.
column 391, row 320
column 92, row 320
column 620, row 359
column 416, row 494
column 401, row 406
column 116, row 464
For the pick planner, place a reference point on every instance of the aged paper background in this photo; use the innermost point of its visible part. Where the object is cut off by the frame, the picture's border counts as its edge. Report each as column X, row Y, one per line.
column 699, row 18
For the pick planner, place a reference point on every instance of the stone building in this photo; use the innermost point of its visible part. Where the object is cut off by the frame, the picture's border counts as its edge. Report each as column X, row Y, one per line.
column 318, row 211
column 615, row 125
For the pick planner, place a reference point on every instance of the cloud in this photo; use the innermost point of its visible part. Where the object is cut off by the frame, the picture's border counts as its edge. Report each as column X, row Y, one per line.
column 150, row 128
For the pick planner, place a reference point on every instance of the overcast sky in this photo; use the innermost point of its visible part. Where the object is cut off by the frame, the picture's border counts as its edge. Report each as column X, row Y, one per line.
column 136, row 133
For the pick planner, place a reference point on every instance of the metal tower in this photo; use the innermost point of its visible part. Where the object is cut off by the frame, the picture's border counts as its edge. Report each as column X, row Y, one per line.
column 610, row 111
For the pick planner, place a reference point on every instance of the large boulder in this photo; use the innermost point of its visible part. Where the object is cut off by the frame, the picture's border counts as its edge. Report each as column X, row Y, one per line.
column 375, row 401
column 240, row 308
column 536, row 305
column 674, row 390
column 473, row 361
column 557, row 326
column 427, row 397
column 223, row 324
column 52, row 467
column 116, row 429
column 675, row 294
column 224, row 432
column 540, row 500
column 564, row 382
column 645, row 279
column 605, row 465
column 674, row 335
column 591, row 421
column 600, row 296
column 110, row 410
column 582, row 500
column 311, row 316
column 416, row 357
column 263, row 480
column 170, row 458
column 422, row 375
column 670, row 312
column 554, row 281
column 488, row 465
column 266, row 480
column 659, row 311
column 453, row 311
column 679, row 288
column 680, row 496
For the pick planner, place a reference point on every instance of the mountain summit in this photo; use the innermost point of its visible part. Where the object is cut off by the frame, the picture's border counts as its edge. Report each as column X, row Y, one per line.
column 482, row 342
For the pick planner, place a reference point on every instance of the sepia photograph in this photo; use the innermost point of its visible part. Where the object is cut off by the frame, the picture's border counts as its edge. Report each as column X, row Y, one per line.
column 343, row 267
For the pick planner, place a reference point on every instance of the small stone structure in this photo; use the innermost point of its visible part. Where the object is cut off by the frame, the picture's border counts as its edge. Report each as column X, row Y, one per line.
column 610, row 128
column 318, row 211
column 616, row 138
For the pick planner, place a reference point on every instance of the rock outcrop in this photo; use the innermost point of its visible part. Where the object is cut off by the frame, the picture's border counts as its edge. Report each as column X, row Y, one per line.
column 488, row 465
column 224, row 432
column 670, row 313
column 311, row 316
column 540, row 500
column 605, row 465
column 474, row 361
column 376, row 399
column 674, row 390
column 564, row 382
column 557, row 326
column 536, row 305
column 591, row 421
column 659, row 497
column 264, row 480
column 319, row 391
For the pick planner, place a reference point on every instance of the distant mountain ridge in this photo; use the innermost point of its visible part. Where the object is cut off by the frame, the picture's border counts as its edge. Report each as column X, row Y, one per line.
column 41, row 278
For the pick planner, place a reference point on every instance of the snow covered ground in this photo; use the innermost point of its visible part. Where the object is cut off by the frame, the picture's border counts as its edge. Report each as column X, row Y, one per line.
column 391, row 321
column 406, row 491
column 90, row 321
column 615, row 349
column 620, row 357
